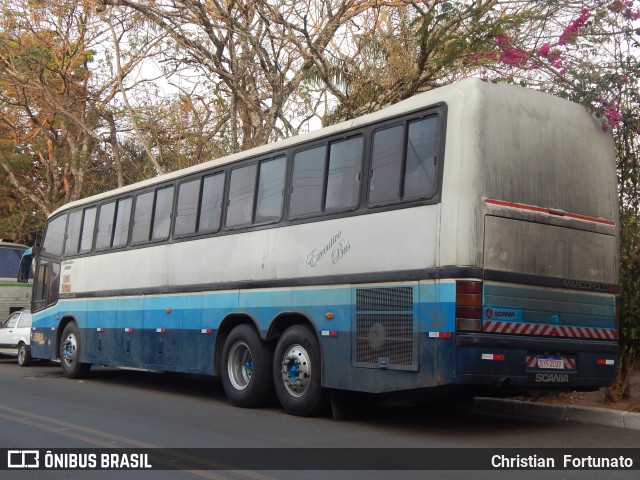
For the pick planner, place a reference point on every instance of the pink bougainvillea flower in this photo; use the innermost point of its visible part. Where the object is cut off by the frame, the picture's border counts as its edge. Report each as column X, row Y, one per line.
column 543, row 51
column 613, row 117
column 502, row 40
column 571, row 32
column 514, row 57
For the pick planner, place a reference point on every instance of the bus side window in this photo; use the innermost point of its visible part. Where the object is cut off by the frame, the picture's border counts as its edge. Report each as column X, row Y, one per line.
column 386, row 160
column 73, row 233
column 54, row 283
column 241, row 195
column 211, row 204
column 89, row 222
column 142, row 218
column 105, row 225
column 420, row 170
column 162, row 213
column 187, row 210
column 412, row 151
column 46, row 285
column 308, row 182
column 41, row 286
column 343, row 182
column 270, row 190
column 123, row 217
column 54, row 236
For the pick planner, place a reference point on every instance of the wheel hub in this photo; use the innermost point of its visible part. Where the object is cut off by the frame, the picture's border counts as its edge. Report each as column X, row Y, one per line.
column 240, row 365
column 69, row 349
column 296, row 370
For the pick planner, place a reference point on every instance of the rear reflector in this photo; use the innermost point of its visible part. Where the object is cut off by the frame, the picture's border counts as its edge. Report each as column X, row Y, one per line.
column 440, row 335
column 605, row 361
column 468, row 306
column 499, row 357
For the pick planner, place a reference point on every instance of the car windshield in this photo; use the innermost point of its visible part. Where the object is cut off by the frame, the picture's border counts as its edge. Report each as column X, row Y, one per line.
column 11, row 321
column 10, row 261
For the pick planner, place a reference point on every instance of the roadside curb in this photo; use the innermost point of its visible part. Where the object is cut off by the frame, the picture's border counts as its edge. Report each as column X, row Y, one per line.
column 558, row 413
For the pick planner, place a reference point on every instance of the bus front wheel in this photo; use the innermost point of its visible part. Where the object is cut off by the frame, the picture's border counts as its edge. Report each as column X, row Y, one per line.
column 70, row 350
column 297, row 372
column 246, row 367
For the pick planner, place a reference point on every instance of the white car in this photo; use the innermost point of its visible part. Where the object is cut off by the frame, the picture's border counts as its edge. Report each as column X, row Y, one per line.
column 15, row 337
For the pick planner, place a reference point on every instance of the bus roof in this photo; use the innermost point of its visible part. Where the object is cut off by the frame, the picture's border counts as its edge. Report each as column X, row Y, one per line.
column 433, row 97
column 4, row 244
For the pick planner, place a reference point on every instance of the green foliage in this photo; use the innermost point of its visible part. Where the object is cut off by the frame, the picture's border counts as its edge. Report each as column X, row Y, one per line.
column 630, row 280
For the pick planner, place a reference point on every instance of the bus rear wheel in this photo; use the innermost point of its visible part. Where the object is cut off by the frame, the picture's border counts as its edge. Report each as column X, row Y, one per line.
column 246, row 368
column 70, row 350
column 297, row 373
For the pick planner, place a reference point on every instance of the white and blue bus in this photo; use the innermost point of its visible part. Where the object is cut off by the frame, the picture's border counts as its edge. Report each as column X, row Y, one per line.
column 14, row 295
column 467, row 236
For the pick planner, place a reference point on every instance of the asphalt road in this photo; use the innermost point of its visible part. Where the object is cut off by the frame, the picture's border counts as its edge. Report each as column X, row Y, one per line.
column 40, row 409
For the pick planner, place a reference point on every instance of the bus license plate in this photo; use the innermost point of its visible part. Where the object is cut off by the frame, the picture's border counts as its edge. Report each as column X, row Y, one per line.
column 553, row 363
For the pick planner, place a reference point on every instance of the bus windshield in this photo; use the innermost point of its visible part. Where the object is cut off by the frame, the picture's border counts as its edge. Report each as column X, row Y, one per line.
column 10, row 261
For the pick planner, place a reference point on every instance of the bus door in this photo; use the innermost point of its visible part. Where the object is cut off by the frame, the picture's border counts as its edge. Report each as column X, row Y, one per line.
column 45, row 294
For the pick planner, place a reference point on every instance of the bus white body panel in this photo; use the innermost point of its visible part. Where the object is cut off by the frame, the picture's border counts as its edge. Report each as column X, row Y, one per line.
column 363, row 244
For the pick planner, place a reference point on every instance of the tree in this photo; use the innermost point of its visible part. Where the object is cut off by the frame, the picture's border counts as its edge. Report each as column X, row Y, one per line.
column 44, row 96
column 62, row 118
column 256, row 56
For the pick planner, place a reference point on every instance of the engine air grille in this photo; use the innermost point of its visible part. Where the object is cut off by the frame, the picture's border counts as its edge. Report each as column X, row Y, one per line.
column 384, row 327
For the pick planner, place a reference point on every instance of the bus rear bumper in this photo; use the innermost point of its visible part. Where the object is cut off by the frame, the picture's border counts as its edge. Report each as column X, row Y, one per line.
column 536, row 363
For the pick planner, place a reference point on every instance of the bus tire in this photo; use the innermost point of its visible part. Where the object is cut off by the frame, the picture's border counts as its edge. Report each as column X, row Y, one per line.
column 297, row 373
column 24, row 355
column 70, row 353
column 246, row 368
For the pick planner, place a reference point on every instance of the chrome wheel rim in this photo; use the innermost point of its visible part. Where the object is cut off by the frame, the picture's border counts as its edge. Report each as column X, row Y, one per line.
column 296, row 370
column 69, row 350
column 22, row 354
column 240, row 365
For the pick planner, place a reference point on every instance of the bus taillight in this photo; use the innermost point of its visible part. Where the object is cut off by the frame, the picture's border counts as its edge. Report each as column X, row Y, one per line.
column 468, row 306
